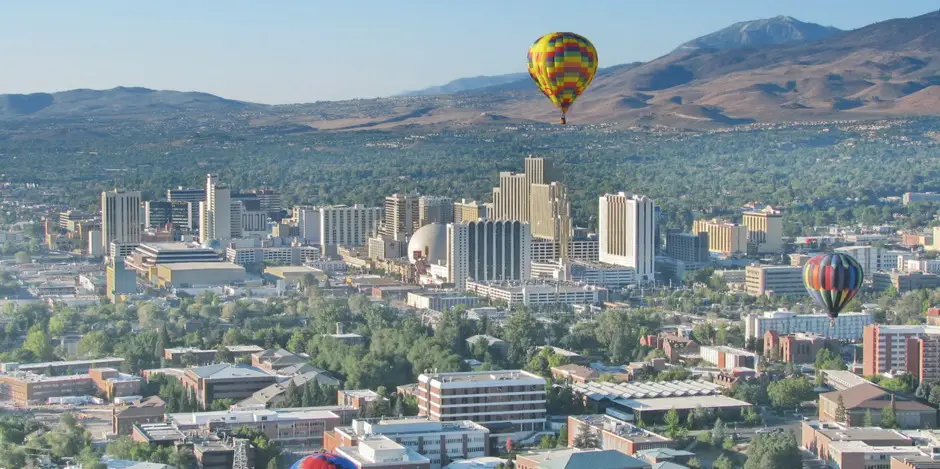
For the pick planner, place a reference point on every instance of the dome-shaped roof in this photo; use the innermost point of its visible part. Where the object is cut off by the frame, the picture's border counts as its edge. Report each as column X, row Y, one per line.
column 431, row 241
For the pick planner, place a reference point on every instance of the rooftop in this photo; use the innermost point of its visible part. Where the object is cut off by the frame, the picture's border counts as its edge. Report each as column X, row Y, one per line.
column 239, row 416
column 67, row 363
column 856, row 446
column 620, row 428
column 30, row 377
column 573, row 458
column 228, row 371
column 634, row 390
column 361, row 394
column 183, row 266
column 680, row 403
column 173, row 247
column 664, row 453
column 479, row 376
column 726, row 349
column 838, row 432
column 159, row 432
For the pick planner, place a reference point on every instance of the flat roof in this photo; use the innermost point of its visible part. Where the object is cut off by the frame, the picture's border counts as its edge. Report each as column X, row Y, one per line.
column 176, row 246
column 160, row 431
column 240, row 416
column 471, row 376
column 68, row 362
column 862, row 447
column 648, row 389
column 863, row 433
column 202, row 266
column 681, row 403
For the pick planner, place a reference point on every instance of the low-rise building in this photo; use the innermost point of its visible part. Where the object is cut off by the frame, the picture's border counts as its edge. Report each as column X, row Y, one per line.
column 294, row 427
column 441, row 300
column 796, row 348
column 149, row 410
column 189, row 274
column 572, row 373
column 531, row 294
column 494, row 344
column 904, row 282
column 651, row 400
column 615, row 433
column 276, row 359
column 575, row 458
column 817, row 436
column 380, row 452
column 728, row 358
column 868, row 398
column 64, row 367
column 300, row 376
column 847, row 326
column 358, row 399
column 776, row 280
column 25, row 387
column 197, row 356
column 226, row 381
column 158, row 433
column 440, row 442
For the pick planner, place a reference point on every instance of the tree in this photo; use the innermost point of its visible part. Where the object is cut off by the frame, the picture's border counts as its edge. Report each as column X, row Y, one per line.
column 867, row 419
column 22, row 257
column 586, row 437
column 923, row 391
column 694, row 463
column 37, row 342
column 674, row 427
column 889, row 418
column 790, row 392
column 750, row 416
column 840, row 410
column 223, row 354
column 773, row 451
column 563, row 436
column 719, row 433
column 826, row 359
column 723, row 462
column 548, row 442
column 96, row 344
column 690, row 421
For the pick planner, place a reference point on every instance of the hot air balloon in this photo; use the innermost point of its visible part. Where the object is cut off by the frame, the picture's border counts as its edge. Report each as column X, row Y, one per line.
column 324, row 461
column 833, row 280
column 562, row 65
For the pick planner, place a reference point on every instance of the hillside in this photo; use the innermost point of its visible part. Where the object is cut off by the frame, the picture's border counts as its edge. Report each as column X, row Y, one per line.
column 765, row 32
column 118, row 102
column 469, row 84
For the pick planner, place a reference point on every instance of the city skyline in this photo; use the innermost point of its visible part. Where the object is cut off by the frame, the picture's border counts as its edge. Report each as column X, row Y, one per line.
column 296, row 57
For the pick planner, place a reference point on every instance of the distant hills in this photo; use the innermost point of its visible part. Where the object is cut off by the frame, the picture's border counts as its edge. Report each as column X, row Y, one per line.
column 777, row 69
column 765, row 32
column 469, row 84
column 120, row 101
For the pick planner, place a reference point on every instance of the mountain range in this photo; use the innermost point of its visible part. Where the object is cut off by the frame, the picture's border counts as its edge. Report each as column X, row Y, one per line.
column 765, row 70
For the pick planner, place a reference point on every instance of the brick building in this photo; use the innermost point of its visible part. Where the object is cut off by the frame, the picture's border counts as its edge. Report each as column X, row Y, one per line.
column 149, row 410
column 615, row 433
column 864, row 398
column 574, row 458
column 226, row 381
column 796, row 348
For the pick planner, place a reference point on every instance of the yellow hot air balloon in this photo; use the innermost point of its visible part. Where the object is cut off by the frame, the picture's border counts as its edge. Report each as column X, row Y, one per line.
column 563, row 65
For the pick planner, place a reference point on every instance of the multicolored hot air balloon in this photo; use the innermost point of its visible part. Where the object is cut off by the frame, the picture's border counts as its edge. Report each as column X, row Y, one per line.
column 324, row 461
column 833, row 280
column 562, row 65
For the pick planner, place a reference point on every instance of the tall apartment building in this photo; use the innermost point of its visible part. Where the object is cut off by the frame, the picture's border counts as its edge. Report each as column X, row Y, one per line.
column 506, row 401
column 401, row 217
column 488, row 250
column 337, row 225
column 723, row 237
column 435, row 209
column 848, row 326
column 469, row 210
column 586, row 249
column 435, row 440
column 627, row 232
column 511, row 198
column 915, row 349
column 687, row 247
column 120, row 217
column 777, row 280
column 550, row 214
column 216, row 212
column 270, row 200
column 764, row 230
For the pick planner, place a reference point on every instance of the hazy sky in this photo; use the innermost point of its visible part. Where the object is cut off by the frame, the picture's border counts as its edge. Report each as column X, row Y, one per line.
column 283, row 51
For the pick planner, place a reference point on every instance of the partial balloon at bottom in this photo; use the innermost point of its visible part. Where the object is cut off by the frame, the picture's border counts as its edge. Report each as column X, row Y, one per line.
column 324, row 461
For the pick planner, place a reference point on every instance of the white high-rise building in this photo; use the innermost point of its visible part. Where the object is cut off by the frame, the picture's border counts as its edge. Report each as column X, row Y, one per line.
column 627, row 233
column 347, row 225
column 488, row 250
column 120, row 217
column 847, row 326
column 216, row 220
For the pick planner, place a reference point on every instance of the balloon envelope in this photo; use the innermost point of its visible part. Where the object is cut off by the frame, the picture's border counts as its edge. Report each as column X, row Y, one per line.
column 562, row 65
column 324, row 461
column 832, row 280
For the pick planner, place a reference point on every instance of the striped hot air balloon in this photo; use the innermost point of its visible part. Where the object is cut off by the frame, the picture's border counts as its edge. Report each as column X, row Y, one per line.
column 833, row 280
column 562, row 65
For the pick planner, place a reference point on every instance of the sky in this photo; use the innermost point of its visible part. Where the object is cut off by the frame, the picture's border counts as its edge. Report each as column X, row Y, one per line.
column 289, row 51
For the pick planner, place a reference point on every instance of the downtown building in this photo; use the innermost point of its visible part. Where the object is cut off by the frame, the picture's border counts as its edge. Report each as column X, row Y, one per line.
column 764, row 230
column 505, row 402
column 435, row 209
column 488, row 251
column 774, row 280
column 470, row 210
column 724, row 237
column 337, row 225
column 120, row 218
column 627, row 233
column 215, row 221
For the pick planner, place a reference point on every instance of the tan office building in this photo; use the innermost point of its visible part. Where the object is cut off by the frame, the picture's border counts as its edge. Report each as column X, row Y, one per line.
column 774, row 280
column 723, row 237
column 469, row 210
column 764, row 230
